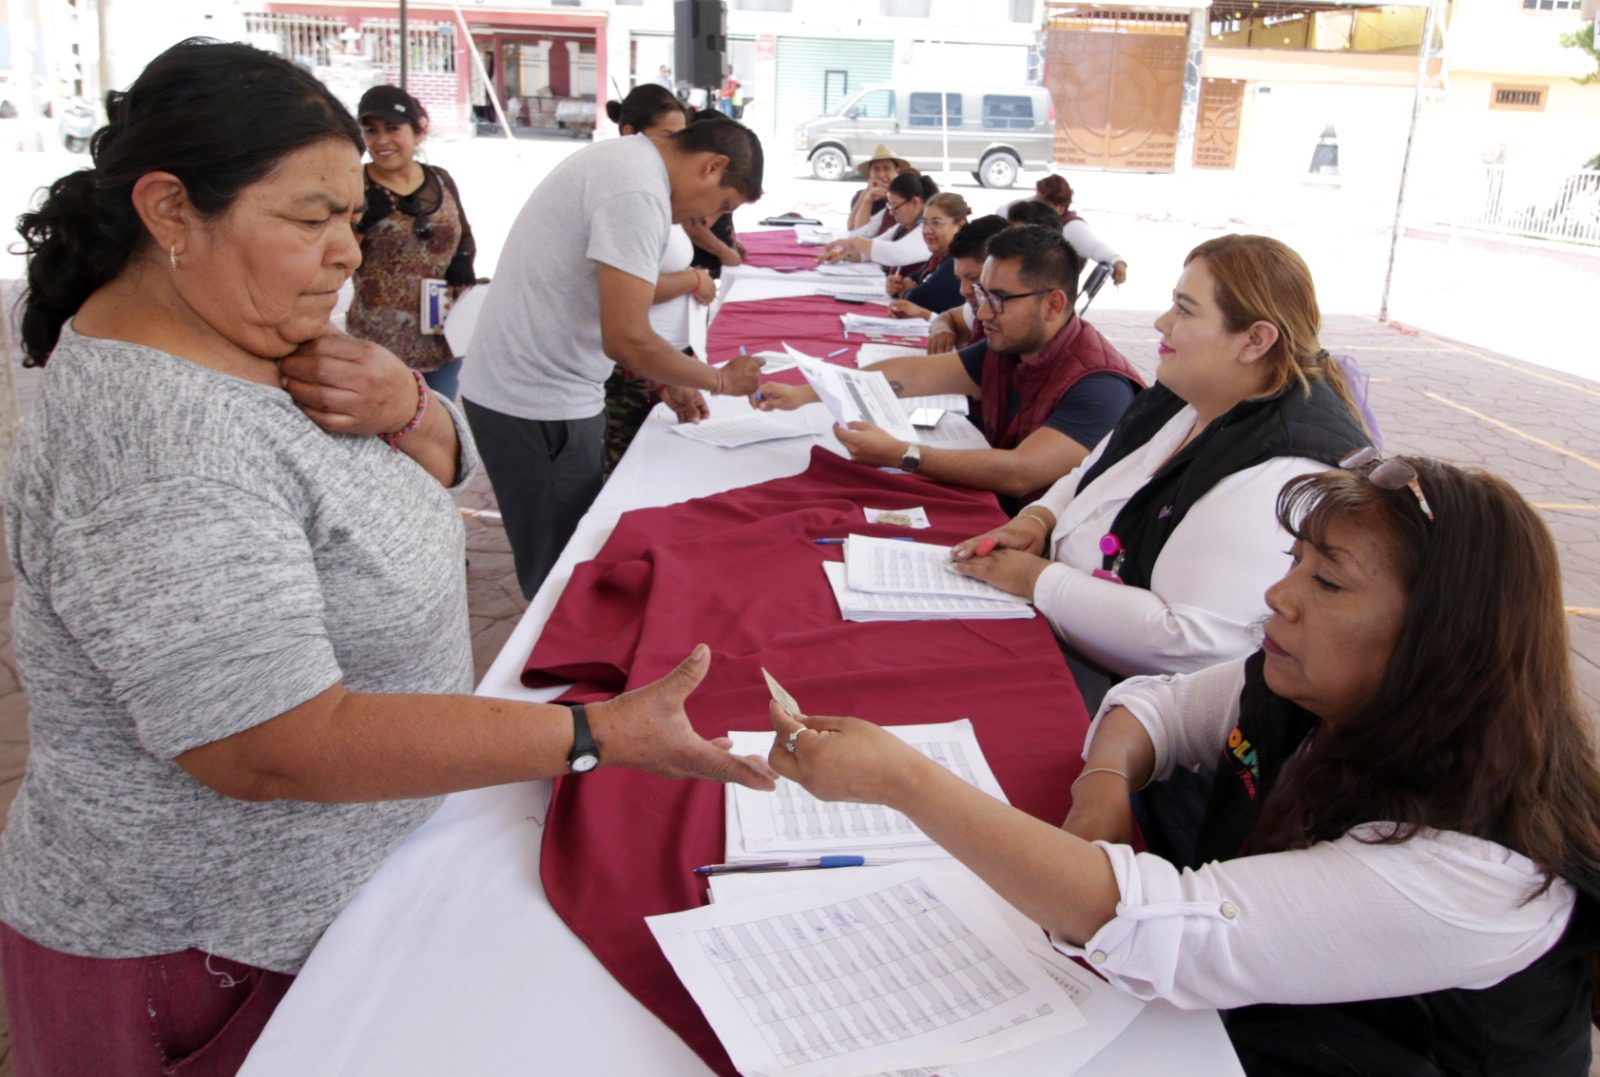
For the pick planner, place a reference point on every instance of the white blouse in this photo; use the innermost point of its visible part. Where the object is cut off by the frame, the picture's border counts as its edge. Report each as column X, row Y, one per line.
column 909, row 249
column 1207, row 587
column 670, row 318
column 1340, row 921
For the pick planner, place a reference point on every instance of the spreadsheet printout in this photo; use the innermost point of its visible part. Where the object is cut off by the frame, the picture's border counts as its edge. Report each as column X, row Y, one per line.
column 904, row 966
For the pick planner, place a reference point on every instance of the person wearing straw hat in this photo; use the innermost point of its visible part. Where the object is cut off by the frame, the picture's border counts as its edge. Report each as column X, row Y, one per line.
column 872, row 200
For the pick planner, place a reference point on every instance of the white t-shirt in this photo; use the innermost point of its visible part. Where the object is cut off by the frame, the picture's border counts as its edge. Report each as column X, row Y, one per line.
column 537, row 352
column 670, row 319
column 1206, row 588
column 1338, row 921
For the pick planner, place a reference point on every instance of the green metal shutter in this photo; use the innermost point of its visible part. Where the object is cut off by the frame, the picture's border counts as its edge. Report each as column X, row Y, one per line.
column 803, row 63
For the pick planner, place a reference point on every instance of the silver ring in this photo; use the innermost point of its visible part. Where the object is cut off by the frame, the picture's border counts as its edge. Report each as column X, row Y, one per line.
column 788, row 745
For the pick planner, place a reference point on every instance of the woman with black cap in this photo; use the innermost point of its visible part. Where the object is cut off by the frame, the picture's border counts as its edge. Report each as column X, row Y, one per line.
column 414, row 230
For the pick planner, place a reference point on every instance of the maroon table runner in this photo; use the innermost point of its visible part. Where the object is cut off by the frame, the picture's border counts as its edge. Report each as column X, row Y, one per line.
column 777, row 250
column 740, row 572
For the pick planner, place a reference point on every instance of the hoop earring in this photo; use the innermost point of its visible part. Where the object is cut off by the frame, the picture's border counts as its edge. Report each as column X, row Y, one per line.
column 172, row 257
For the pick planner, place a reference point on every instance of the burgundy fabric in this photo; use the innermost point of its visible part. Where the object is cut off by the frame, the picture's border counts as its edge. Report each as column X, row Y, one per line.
column 138, row 1016
column 1075, row 352
column 810, row 323
column 740, row 572
column 777, row 250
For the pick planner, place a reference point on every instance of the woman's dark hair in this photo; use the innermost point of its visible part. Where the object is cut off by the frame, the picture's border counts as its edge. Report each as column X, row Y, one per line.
column 974, row 236
column 644, row 106
column 913, row 185
column 1055, row 192
column 1034, row 213
column 219, row 117
column 1477, row 726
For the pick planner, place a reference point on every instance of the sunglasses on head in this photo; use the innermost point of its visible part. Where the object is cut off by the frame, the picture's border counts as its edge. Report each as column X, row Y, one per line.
column 1388, row 475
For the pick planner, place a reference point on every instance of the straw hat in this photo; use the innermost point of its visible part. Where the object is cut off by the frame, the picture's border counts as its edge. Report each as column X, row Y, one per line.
column 882, row 153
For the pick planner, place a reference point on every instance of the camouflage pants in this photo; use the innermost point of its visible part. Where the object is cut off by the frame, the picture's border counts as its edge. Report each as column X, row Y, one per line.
column 629, row 399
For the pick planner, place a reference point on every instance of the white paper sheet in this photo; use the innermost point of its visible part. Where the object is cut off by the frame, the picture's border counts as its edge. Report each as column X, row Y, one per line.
column 953, row 402
column 871, row 354
column 905, row 966
column 812, row 236
column 865, row 607
column 1106, row 1010
column 757, row 426
column 851, row 269
column 791, row 820
column 876, row 326
column 954, row 432
column 855, row 395
column 887, row 566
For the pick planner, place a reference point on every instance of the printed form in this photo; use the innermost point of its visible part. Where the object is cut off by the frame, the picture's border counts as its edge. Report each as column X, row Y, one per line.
column 791, row 820
column 888, row 566
column 855, row 395
column 864, row 606
column 902, row 966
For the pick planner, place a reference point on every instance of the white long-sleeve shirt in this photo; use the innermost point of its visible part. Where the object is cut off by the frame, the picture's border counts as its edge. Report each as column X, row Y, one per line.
column 1207, row 587
column 909, row 249
column 1339, row 921
column 1090, row 247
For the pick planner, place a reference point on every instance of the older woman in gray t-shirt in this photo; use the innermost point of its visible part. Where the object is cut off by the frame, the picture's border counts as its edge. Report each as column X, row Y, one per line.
column 239, row 584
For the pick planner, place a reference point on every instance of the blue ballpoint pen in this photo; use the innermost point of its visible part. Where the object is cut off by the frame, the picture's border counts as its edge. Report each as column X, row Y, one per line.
column 783, row 865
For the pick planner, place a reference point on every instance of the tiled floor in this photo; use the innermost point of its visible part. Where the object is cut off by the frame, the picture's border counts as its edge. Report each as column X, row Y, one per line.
column 1539, row 429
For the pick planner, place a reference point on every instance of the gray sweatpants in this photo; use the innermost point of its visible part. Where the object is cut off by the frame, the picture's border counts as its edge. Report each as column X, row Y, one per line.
column 545, row 475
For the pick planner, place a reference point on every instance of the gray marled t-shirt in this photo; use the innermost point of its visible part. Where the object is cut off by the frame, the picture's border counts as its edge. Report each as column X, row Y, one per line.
column 194, row 556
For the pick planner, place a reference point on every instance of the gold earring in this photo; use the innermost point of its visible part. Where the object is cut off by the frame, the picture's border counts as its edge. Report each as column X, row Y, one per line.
column 172, row 256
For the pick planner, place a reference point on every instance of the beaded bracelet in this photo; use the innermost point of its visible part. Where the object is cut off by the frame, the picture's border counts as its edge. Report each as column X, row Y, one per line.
column 416, row 419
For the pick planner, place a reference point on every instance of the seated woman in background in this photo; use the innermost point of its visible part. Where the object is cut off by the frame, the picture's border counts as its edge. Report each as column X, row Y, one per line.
column 1399, row 864
column 869, row 203
column 903, row 249
column 935, row 288
column 1026, row 211
column 654, row 112
column 1056, row 192
column 1152, row 555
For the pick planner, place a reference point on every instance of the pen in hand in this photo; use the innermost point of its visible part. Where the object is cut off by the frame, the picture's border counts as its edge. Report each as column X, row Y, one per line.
column 784, row 865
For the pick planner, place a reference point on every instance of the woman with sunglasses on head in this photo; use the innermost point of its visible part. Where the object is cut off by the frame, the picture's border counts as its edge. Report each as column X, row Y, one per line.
column 935, row 288
column 1399, row 862
column 414, row 229
column 902, row 249
column 655, row 113
column 1151, row 556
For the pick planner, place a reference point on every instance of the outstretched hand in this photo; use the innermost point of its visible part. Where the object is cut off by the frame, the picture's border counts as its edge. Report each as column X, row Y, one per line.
column 648, row 729
column 842, row 758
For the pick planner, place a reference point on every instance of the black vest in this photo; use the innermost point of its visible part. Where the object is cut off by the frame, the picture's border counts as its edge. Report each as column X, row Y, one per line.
column 1290, row 423
column 1532, row 1024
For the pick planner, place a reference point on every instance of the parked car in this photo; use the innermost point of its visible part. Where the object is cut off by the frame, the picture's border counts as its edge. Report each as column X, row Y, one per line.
column 8, row 99
column 994, row 131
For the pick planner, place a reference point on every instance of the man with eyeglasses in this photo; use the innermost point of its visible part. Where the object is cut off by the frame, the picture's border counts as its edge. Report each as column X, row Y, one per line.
column 571, row 298
column 1048, row 384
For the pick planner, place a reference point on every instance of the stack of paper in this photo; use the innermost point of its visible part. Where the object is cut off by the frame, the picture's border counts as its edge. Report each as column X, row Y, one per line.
column 868, row 325
column 813, row 236
column 851, row 291
column 790, row 822
column 872, row 354
column 889, row 567
column 851, row 269
column 877, row 971
column 866, row 606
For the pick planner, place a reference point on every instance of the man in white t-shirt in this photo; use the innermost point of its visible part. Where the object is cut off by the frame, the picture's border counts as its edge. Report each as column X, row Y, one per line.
column 571, row 295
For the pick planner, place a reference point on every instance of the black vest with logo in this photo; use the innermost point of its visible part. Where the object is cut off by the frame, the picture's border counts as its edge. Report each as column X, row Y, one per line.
column 1534, row 1023
column 1316, row 425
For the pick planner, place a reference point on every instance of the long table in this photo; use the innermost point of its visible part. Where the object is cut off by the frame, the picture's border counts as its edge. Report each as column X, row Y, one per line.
column 452, row 960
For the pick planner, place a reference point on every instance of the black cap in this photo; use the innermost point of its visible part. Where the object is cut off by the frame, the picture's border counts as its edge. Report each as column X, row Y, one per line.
column 390, row 103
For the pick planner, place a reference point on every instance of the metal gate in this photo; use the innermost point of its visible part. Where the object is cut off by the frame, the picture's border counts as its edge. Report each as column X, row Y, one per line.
column 816, row 73
column 1118, row 88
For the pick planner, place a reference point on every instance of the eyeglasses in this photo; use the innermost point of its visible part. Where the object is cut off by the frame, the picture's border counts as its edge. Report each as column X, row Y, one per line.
column 997, row 300
column 896, row 207
column 937, row 222
column 1388, row 475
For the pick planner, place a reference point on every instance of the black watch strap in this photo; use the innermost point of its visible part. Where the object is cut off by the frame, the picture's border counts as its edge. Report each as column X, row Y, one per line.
column 585, row 754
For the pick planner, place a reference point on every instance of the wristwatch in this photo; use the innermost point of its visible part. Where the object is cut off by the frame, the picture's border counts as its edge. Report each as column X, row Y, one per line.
column 912, row 459
column 585, row 754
